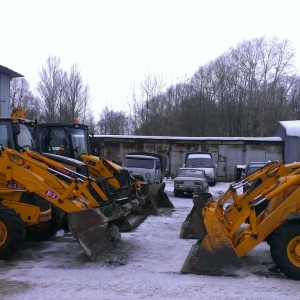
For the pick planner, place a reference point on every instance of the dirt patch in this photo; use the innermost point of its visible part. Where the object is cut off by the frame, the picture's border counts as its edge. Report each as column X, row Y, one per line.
column 11, row 287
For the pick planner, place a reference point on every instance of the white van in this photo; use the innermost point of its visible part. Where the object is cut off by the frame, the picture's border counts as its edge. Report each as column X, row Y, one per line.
column 144, row 168
column 204, row 161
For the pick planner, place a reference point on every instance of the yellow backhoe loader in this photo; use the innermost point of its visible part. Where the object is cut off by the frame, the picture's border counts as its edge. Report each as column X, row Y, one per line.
column 36, row 190
column 229, row 228
column 72, row 140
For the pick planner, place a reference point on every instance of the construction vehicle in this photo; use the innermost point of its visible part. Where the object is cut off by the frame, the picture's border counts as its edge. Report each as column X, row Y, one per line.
column 72, row 140
column 36, row 190
column 229, row 228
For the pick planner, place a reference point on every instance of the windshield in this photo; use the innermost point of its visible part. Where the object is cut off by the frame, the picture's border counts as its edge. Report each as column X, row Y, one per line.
column 57, row 142
column 25, row 138
column 138, row 163
column 79, row 140
column 191, row 173
column 196, row 162
column 62, row 141
column 253, row 169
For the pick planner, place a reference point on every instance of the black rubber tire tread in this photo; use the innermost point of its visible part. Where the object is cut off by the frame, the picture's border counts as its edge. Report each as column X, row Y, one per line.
column 49, row 228
column 15, row 231
column 280, row 239
column 65, row 223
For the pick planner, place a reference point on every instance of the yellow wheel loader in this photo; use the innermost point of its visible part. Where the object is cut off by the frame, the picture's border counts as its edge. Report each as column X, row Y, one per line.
column 229, row 228
column 71, row 140
column 31, row 188
column 35, row 191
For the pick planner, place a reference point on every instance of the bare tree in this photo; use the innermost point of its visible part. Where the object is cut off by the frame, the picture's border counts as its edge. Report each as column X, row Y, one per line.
column 115, row 123
column 76, row 102
column 50, row 89
column 21, row 96
column 148, row 105
column 65, row 96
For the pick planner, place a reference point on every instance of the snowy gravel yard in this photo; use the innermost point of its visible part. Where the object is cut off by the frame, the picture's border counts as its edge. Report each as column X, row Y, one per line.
column 145, row 265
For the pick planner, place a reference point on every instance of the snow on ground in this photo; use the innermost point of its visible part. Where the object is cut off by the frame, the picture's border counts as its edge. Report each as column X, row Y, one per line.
column 147, row 268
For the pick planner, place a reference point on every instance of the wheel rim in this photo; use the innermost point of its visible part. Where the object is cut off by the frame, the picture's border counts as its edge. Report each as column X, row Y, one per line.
column 3, row 233
column 293, row 251
column 39, row 226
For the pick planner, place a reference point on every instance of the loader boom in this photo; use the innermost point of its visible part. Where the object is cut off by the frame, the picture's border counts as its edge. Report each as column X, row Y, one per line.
column 230, row 227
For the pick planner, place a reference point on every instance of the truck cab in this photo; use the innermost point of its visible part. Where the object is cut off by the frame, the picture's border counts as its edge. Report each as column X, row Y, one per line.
column 144, row 168
column 204, row 161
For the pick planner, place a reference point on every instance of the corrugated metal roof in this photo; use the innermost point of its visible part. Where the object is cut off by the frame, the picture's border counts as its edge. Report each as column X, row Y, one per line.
column 268, row 139
column 9, row 72
column 292, row 128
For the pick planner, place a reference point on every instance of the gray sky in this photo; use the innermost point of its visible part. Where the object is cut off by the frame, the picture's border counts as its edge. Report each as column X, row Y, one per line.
column 117, row 43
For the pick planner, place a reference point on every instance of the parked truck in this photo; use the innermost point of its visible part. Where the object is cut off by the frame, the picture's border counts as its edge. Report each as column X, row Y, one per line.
column 150, row 169
column 203, row 160
column 146, row 167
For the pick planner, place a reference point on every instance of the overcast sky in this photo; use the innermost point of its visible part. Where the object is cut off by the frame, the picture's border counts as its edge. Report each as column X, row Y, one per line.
column 115, row 44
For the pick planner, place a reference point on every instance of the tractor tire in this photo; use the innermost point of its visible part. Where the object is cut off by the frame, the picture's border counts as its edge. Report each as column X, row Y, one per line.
column 65, row 222
column 43, row 231
column 285, row 249
column 12, row 230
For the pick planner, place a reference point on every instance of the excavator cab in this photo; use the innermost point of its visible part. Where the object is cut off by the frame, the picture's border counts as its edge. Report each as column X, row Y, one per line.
column 69, row 141
column 18, row 135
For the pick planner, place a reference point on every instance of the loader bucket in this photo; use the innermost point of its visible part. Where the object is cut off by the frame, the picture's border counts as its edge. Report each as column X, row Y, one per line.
column 138, row 215
column 94, row 232
column 213, row 253
column 156, row 202
column 209, row 258
column 158, row 197
column 193, row 227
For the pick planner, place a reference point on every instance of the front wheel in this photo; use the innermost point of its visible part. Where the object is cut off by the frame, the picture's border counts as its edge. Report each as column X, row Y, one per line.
column 285, row 249
column 45, row 230
column 12, row 230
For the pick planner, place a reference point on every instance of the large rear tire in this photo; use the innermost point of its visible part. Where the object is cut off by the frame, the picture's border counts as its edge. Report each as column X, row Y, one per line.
column 285, row 249
column 12, row 230
column 45, row 230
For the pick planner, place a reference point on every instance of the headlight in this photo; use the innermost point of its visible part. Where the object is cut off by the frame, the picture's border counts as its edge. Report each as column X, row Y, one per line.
column 147, row 175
